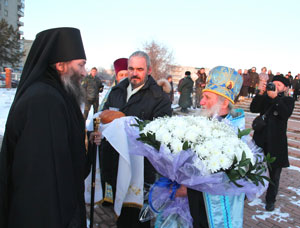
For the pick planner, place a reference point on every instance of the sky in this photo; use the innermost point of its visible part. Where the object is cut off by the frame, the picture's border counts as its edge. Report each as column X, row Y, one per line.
column 233, row 33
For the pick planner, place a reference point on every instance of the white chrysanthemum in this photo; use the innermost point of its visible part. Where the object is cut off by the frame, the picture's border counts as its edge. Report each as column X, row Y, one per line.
column 176, row 146
column 191, row 135
column 215, row 143
column 225, row 161
column 214, row 164
column 201, row 151
column 163, row 136
column 179, row 133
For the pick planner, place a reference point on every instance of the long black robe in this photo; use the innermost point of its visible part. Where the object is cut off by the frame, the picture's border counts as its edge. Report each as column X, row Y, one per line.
column 42, row 160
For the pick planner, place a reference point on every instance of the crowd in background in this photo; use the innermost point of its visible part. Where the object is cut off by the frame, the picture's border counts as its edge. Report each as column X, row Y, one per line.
column 251, row 80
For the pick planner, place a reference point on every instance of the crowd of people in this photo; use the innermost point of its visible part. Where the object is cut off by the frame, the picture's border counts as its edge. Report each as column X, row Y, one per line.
column 251, row 80
column 44, row 160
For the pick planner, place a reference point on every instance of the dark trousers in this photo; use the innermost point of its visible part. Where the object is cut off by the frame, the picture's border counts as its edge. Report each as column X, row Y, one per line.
column 197, row 208
column 88, row 104
column 295, row 95
column 251, row 91
column 198, row 97
column 129, row 218
column 273, row 189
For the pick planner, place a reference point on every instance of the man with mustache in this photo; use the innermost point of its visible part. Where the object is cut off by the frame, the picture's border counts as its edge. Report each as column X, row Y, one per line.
column 139, row 96
column 43, row 157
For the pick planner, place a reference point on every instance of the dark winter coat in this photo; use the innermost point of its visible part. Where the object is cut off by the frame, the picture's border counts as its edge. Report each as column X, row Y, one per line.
column 246, row 80
column 273, row 138
column 200, row 81
column 148, row 103
column 254, row 79
column 93, row 86
column 296, row 84
column 43, row 160
column 186, row 89
column 271, row 76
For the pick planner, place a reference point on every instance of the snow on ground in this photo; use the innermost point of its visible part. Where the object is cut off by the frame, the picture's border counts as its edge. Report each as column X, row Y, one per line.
column 294, row 168
column 275, row 215
column 6, row 99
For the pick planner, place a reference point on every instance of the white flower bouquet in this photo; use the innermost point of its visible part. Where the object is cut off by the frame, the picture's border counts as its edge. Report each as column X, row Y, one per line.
column 203, row 154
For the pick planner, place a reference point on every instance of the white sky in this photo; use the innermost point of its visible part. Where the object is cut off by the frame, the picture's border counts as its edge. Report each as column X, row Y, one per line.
column 234, row 33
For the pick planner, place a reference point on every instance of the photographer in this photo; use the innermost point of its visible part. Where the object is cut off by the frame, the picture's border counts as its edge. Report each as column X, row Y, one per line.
column 277, row 107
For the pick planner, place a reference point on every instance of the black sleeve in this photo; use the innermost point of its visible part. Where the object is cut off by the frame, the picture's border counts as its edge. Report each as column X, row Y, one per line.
column 163, row 108
column 284, row 106
column 258, row 103
column 101, row 86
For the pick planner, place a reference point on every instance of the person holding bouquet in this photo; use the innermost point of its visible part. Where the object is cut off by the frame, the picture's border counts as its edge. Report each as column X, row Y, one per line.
column 223, row 85
column 139, row 96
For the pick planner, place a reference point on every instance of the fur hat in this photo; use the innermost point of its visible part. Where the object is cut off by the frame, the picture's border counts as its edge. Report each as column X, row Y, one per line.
column 282, row 79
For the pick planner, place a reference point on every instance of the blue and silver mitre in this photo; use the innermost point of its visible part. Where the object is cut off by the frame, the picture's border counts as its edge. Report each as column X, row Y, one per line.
column 225, row 82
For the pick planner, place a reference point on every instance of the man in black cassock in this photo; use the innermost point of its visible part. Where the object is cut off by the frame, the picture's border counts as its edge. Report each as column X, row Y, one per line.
column 43, row 158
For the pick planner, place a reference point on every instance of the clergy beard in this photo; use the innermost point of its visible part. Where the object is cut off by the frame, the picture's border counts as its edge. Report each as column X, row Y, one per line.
column 72, row 86
column 212, row 112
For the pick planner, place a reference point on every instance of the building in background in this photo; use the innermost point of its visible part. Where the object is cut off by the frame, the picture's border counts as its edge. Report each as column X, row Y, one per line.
column 12, row 11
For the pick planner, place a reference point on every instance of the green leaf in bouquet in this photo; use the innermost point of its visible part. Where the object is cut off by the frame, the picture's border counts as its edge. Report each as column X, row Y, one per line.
column 141, row 123
column 245, row 163
column 238, row 185
column 243, row 156
column 150, row 140
column 186, row 145
column 242, row 172
column 244, row 132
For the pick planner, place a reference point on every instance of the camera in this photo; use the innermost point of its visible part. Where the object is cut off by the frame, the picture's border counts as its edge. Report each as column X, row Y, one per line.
column 270, row 86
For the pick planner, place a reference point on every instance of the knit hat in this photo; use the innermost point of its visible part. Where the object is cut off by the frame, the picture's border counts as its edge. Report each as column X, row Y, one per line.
column 225, row 82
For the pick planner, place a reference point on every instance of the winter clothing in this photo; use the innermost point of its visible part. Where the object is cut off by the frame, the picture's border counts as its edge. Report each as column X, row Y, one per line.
column 272, row 138
column 148, row 103
column 185, row 88
column 92, row 86
column 43, row 158
column 199, row 86
column 254, row 79
column 245, row 86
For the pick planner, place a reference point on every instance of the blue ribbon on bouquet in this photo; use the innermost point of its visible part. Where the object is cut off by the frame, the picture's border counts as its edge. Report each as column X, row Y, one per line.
column 163, row 182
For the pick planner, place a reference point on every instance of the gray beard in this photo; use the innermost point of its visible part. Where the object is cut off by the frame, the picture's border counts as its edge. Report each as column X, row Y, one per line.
column 212, row 112
column 72, row 86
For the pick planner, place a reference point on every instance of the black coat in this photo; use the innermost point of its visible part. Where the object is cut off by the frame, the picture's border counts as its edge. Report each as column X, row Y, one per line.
column 273, row 138
column 43, row 160
column 148, row 103
column 185, row 88
column 254, row 79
